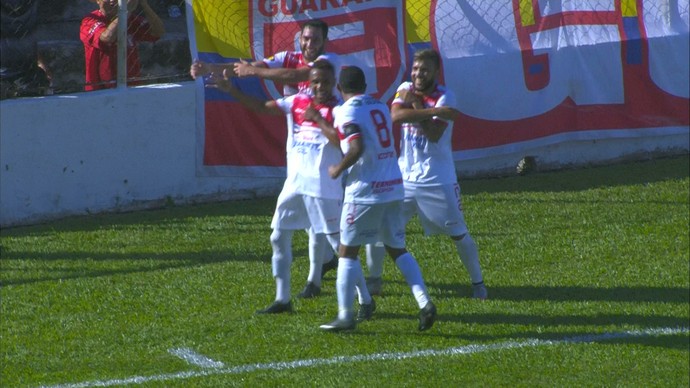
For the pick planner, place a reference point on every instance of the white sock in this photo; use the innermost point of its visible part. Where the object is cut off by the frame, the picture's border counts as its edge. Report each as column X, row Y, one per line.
column 361, row 286
column 469, row 255
column 413, row 276
column 318, row 249
column 281, row 241
column 345, row 286
column 375, row 255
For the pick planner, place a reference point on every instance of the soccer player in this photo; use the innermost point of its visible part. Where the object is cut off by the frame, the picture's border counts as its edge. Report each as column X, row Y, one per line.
column 373, row 199
column 309, row 198
column 426, row 111
column 292, row 69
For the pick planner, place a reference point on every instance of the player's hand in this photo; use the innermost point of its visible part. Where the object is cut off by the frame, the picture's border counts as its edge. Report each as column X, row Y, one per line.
column 312, row 114
column 198, row 69
column 333, row 171
column 409, row 97
column 219, row 81
column 242, row 68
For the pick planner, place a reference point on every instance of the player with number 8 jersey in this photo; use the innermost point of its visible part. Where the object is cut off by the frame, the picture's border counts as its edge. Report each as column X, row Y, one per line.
column 372, row 202
column 375, row 177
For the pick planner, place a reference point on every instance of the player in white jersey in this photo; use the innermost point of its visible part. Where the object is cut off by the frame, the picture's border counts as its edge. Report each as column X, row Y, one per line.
column 291, row 68
column 309, row 198
column 426, row 111
column 373, row 199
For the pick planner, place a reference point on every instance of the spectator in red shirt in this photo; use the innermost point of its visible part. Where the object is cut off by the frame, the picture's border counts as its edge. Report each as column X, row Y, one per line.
column 99, row 34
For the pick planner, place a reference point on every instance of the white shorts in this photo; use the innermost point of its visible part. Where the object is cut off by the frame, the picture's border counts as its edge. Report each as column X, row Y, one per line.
column 369, row 224
column 439, row 208
column 298, row 211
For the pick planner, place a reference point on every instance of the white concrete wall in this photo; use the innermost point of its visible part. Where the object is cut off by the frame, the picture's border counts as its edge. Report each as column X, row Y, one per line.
column 131, row 149
column 105, row 151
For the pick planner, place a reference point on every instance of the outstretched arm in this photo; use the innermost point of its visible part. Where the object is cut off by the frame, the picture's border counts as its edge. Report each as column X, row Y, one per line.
column 202, row 69
column 259, row 106
column 261, row 70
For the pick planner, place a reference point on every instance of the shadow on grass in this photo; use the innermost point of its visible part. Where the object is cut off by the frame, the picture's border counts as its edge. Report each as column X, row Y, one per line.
column 572, row 293
column 632, row 173
column 135, row 263
column 165, row 217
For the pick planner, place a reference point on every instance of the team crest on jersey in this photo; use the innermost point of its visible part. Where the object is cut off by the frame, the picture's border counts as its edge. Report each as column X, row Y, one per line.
column 276, row 27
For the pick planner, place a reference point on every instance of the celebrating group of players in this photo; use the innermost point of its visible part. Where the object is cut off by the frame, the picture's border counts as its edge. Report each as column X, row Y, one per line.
column 334, row 142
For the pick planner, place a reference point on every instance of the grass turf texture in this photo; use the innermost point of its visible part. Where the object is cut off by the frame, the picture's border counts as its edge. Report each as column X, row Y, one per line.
column 564, row 254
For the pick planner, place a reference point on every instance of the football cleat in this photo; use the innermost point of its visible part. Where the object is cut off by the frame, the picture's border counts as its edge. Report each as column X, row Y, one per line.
column 311, row 290
column 427, row 317
column 366, row 311
column 330, row 265
column 339, row 325
column 479, row 291
column 277, row 308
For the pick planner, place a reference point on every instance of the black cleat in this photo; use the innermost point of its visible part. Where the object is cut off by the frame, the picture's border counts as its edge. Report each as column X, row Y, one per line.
column 311, row 290
column 427, row 316
column 277, row 308
column 375, row 285
column 339, row 325
column 332, row 264
column 366, row 311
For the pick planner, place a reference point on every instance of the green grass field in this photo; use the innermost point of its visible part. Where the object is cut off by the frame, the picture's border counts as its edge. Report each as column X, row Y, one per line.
column 588, row 274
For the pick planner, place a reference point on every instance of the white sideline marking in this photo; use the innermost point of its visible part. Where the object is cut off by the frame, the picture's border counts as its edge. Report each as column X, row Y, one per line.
column 278, row 366
column 195, row 358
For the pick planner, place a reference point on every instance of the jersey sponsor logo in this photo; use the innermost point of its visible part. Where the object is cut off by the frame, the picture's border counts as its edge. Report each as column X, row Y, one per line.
column 416, row 141
column 386, row 155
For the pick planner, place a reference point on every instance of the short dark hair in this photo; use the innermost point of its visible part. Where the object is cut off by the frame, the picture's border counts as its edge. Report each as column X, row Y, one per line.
column 429, row 54
column 319, row 24
column 352, row 80
column 322, row 64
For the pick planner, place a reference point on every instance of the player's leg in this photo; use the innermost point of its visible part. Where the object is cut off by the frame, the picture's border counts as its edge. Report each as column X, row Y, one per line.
column 393, row 235
column 350, row 275
column 318, row 245
column 324, row 217
column 440, row 210
column 375, row 255
column 281, row 242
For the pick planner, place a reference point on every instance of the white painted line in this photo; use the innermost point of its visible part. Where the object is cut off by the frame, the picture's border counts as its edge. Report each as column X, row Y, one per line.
column 195, row 358
column 468, row 349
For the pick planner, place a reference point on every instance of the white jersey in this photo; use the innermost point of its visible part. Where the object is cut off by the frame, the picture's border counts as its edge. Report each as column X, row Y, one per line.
column 421, row 161
column 295, row 60
column 310, row 153
column 375, row 177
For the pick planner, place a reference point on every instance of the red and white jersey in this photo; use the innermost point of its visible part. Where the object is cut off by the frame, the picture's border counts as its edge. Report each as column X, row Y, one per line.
column 310, row 153
column 295, row 60
column 421, row 161
column 375, row 177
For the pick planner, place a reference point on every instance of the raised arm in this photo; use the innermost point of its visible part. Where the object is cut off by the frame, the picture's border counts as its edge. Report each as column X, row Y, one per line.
column 155, row 22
